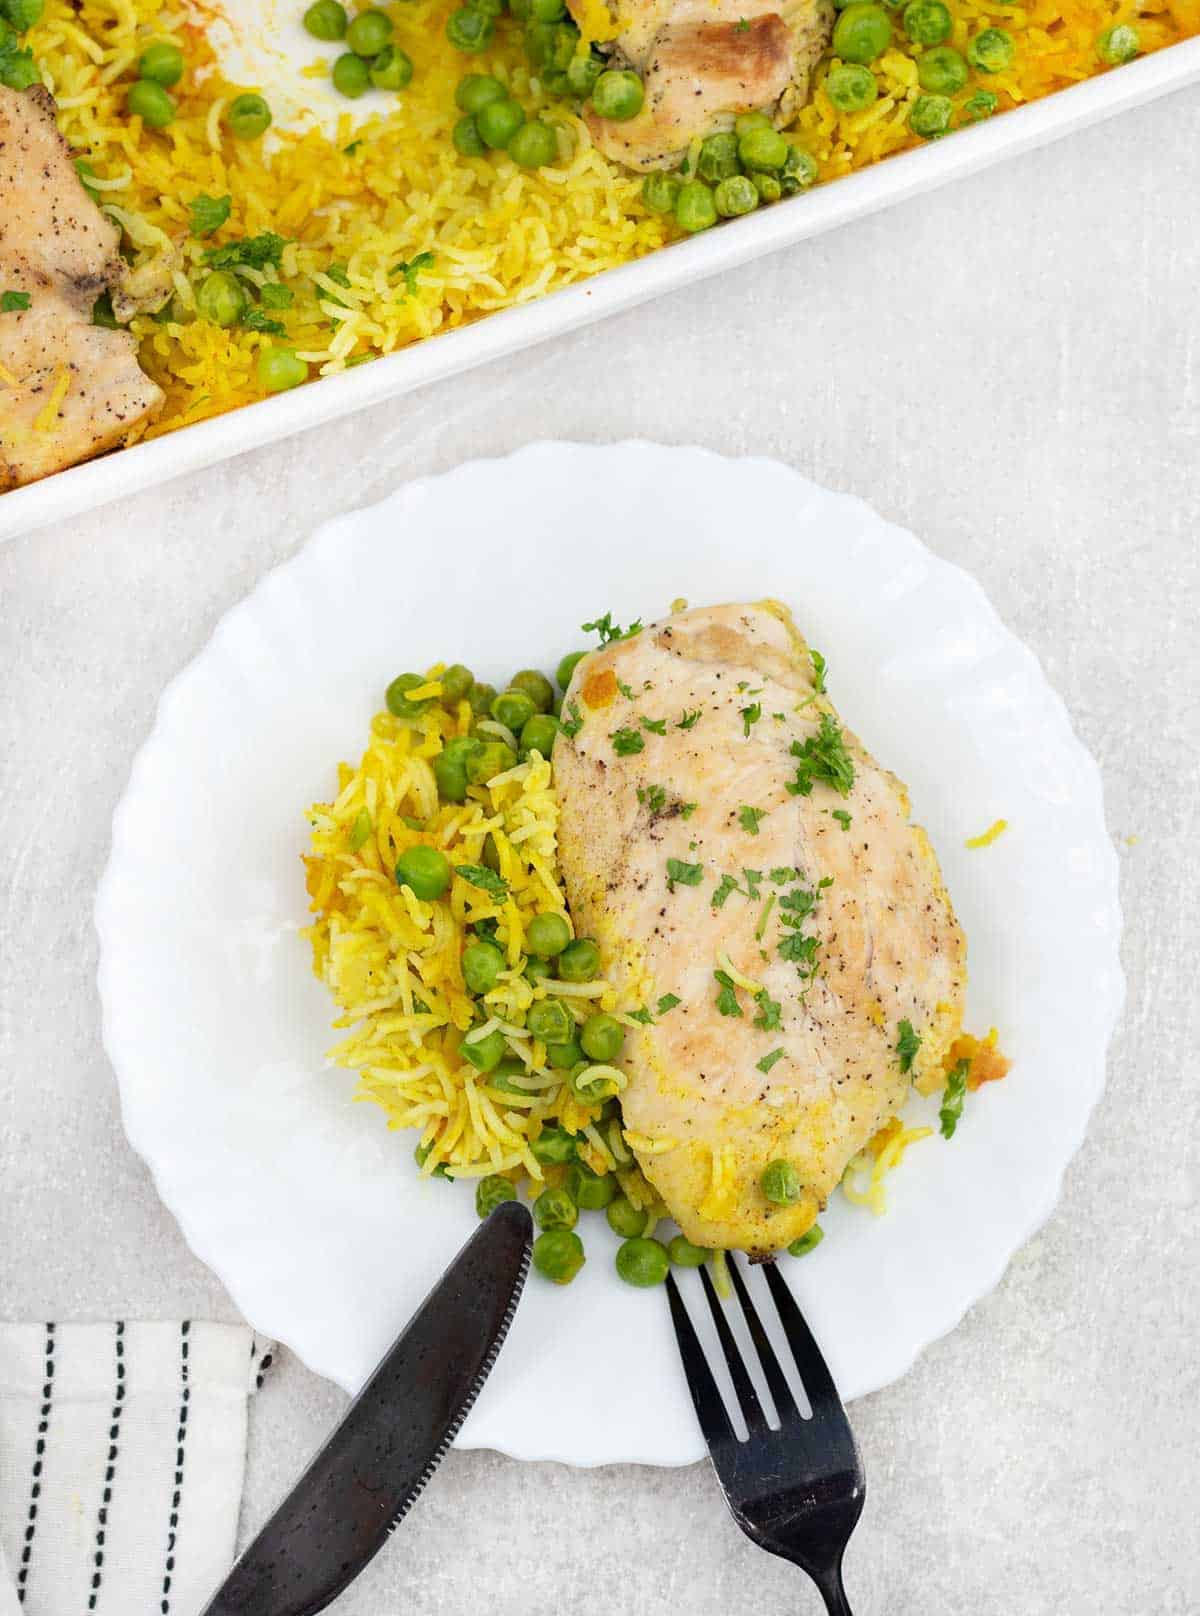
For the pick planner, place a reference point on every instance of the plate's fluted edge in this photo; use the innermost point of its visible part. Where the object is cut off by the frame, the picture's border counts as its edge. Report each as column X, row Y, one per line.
column 324, row 539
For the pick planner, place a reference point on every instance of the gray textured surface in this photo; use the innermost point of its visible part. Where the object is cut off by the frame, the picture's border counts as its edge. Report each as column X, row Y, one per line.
column 1011, row 368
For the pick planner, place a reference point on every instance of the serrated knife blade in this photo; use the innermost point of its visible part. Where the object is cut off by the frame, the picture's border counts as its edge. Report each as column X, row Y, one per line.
column 370, row 1471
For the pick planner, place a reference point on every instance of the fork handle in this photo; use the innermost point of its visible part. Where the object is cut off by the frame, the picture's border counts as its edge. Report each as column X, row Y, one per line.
column 832, row 1592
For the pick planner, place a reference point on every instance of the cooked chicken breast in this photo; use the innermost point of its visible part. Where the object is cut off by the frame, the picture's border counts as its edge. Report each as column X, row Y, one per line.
column 702, row 63
column 717, row 818
column 68, row 388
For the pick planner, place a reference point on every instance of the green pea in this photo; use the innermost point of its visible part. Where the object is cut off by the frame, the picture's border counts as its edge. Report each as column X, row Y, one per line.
column 550, row 46
column 519, row 9
column 476, row 90
column 537, row 970
column 497, row 123
column 492, row 1192
column 590, row 1191
column 746, row 121
column 421, row 1153
column 469, row 31
column 642, row 1262
column 484, row 1053
column 503, row 1076
column 151, row 103
column 481, row 697
column 536, row 686
column 482, row 963
column 547, row 10
column 550, row 1021
column 512, row 708
column 735, row 196
column 351, row 76
column 1120, row 43
column 980, row 105
column 541, row 731
column 695, row 209
column 221, row 298
column 369, row 33
column 769, row 188
column 763, row 149
column 280, row 369
column 466, row 138
column 851, row 88
column 22, row 14
column 685, row 1255
column 535, row 145
column 929, row 116
column 450, row 767
column 579, row 961
column 492, row 758
column 326, row 20
column 565, row 1057
column 161, row 64
column 799, row 172
column 927, row 22
column 602, row 1036
column 992, row 51
column 625, row 1219
column 554, row 1146
column 392, row 69
column 781, row 1184
column 456, row 684
column 618, row 94
column 862, row 32
column 490, row 8
column 807, row 1242
column 424, row 870
column 660, row 192
column 546, row 936
column 18, row 70
column 558, row 1255
column 396, row 695
column 248, row 116
column 592, row 1085
column 582, row 73
column 718, row 157
column 554, row 1209
column 942, row 71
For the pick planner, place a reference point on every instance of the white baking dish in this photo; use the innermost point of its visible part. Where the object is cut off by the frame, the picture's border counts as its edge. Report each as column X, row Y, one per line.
column 735, row 243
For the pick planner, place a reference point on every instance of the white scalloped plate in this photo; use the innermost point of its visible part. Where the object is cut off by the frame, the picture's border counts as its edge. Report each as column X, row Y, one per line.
column 304, row 1204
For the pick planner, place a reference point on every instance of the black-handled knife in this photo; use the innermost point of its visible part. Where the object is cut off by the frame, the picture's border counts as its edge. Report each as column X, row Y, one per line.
column 362, row 1482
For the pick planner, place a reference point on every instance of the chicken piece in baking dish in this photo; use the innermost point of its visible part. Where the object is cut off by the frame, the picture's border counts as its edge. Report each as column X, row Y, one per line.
column 703, row 62
column 68, row 388
column 740, row 856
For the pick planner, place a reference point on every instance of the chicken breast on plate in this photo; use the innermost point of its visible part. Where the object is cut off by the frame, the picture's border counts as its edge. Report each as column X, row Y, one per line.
column 702, row 63
column 68, row 388
column 752, row 875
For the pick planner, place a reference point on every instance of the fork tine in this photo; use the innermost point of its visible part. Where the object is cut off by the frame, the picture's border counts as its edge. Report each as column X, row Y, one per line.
column 776, row 1380
column 709, row 1404
column 818, row 1382
column 743, row 1386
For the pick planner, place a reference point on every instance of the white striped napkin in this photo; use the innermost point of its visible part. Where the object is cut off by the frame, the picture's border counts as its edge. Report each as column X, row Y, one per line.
column 122, row 1451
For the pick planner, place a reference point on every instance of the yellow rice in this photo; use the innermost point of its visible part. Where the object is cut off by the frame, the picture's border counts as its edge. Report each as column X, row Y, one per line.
column 378, row 196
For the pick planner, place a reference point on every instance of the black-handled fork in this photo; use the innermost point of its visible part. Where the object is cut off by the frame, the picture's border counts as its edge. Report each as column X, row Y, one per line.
column 797, row 1491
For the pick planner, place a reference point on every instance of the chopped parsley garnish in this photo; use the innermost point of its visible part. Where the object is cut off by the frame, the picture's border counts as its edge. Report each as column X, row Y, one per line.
column 783, row 873
column 255, row 252
column 907, row 1045
column 571, row 726
column 256, row 320
column 410, row 271
column 750, row 716
column 349, row 151
column 609, row 631
column 720, row 896
column 689, row 718
column 767, row 1017
column 688, row 875
column 799, row 903
column 842, row 817
column 799, row 951
column 819, row 666
column 952, row 1099
column 209, row 213
column 274, row 296
column 644, row 1016
column 823, row 757
column 741, row 26
column 768, row 1061
column 14, row 302
column 668, row 1002
column 750, row 817
column 339, row 274
column 483, row 878
column 688, row 809
column 654, row 798
column 626, row 742
column 626, row 690
column 726, row 1000
column 656, row 726
column 360, row 830
column 102, row 312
